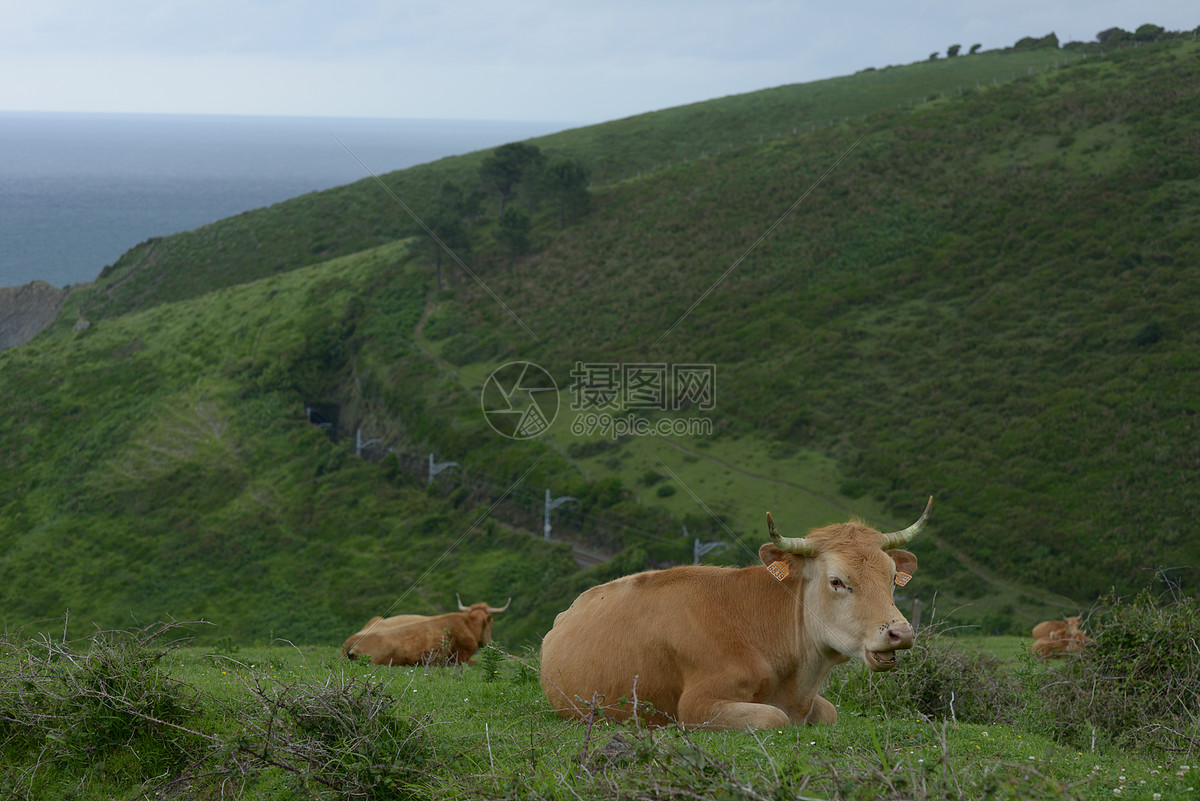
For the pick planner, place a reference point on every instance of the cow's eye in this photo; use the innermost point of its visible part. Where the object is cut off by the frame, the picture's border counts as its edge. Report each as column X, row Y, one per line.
column 838, row 584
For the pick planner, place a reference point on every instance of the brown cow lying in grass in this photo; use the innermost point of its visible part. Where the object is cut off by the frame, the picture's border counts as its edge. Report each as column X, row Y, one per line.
column 1054, row 638
column 449, row 639
column 730, row 648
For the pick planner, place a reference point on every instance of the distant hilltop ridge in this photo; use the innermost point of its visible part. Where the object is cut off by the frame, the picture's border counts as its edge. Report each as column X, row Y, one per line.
column 26, row 310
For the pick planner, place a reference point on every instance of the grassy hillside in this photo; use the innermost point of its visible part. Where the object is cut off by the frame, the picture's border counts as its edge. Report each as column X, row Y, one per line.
column 165, row 468
column 989, row 298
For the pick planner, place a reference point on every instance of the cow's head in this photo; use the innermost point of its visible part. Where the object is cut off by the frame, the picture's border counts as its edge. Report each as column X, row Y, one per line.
column 843, row 576
column 481, row 614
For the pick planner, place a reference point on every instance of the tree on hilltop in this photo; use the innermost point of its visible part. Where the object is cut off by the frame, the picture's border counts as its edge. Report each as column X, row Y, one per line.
column 508, row 166
column 974, row 49
column 1148, row 32
column 952, row 50
column 1032, row 43
column 1114, row 36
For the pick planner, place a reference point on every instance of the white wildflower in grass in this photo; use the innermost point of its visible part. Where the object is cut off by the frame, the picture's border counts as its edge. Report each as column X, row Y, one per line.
column 1116, row 791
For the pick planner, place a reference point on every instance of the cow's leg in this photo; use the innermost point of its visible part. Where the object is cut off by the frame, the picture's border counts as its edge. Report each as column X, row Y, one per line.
column 802, row 705
column 699, row 710
column 822, row 712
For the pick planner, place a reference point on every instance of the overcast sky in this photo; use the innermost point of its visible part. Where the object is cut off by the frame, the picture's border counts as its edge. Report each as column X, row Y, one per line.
column 486, row 59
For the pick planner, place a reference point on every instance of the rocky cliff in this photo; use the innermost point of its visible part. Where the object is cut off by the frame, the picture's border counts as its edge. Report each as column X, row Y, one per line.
column 26, row 310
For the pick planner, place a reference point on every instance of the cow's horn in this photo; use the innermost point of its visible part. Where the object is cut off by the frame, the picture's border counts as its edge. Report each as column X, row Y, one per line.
column 493, row 610
column 897, row 538
column 461, row 608
column 796, row 545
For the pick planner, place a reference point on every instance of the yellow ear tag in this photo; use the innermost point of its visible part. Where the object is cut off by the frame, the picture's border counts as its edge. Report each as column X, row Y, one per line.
column 902, row 578
column 779, row 570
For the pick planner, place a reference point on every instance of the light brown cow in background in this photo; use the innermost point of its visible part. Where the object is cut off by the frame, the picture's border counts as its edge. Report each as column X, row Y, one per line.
column 449, row 639
column 1054, row 638
column 731, row 648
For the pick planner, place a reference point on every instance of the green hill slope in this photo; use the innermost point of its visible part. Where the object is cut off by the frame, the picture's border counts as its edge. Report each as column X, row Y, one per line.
column 163, row 467
column 989, row 297
column 992, row 299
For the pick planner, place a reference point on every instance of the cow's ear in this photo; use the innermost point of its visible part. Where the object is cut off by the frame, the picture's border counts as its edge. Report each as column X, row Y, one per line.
column 770, row 552
column 905, row 561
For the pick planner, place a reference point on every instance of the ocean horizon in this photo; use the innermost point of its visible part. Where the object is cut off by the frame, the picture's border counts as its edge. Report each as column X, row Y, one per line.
column 77, row 190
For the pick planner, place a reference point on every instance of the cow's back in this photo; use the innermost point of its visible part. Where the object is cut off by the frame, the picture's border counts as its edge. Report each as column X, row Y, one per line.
column 1049, row 629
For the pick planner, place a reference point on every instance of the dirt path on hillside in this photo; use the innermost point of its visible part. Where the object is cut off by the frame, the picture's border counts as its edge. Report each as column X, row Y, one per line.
column 1011, row 588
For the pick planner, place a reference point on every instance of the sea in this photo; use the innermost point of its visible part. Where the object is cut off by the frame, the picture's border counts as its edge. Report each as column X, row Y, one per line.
column 78, row 190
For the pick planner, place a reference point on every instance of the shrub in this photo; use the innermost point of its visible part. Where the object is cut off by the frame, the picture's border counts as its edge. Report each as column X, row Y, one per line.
column 342, row 736
column 1138, row 684
column 938, row 679
column 107, row 704
column 651, row 477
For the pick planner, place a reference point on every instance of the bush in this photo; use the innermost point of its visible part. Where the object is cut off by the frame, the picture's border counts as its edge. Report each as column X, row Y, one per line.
column 107, row 705
column 1138, row 684
column 104, row 714
column 342, row 737
column 938, row 679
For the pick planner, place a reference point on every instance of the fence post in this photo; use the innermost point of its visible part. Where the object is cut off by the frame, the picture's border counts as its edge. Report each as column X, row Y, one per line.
column 551, row 505
column 437, row 467
column 699, row 550
column 359, row 444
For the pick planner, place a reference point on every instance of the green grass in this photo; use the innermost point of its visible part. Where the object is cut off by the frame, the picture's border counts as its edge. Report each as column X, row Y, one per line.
column 283, row 721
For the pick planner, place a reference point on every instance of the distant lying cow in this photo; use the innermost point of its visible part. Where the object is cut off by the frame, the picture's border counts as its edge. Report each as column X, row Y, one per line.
column 449, row 639
column 1054, row 638
column 730, row 648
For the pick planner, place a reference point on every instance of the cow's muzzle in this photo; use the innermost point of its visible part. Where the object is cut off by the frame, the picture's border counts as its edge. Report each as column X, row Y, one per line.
column 898, row 636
